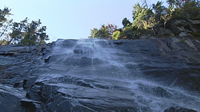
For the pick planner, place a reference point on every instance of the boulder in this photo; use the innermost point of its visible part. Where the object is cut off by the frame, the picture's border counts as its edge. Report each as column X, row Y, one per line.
column 9, row 103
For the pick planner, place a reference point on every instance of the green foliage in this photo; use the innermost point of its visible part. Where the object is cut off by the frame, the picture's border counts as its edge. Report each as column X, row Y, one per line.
column 196, row 34
column 27, row 42
column 184, row 9
column 116, row 35
column 28, row 33
column 22, row 32
column 128, row 32
column 179, row 14
column 138, row 32
column 158, row 10
column 126, row 22
column 152, row 20
column 93, row 33
column 182, row 40
column 100, row 33
column 193, row 9
column 105, row 32
column 175, row 3
column 136, row 10
column 142, row 23
column 3, row 15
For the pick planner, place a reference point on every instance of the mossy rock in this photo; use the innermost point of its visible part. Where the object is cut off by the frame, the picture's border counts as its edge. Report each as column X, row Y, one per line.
column 182, row 40
column 196, row 34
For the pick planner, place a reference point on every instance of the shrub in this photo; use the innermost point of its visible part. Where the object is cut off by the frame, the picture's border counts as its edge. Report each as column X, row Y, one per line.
column 116, row 35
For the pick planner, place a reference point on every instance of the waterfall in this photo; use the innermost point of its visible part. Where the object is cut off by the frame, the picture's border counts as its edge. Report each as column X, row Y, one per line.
column 102, row 75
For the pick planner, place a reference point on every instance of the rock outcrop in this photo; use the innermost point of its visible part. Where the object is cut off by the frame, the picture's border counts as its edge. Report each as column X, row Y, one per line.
column 151, row 75
column 184, row 27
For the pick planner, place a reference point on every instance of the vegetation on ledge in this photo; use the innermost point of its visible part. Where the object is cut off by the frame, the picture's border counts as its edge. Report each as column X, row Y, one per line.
column 156, row 20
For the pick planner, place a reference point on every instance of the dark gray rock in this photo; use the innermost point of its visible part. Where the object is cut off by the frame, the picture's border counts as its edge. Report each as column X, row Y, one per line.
column 18, row 84
column 153, row 75
column 30, row 106
column 34, row 93
column 27, row 83
column 9, row 103
column 183, row 27
column 179, row 109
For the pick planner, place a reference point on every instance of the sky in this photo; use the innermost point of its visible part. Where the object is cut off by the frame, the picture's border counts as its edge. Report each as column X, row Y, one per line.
column 72, row 19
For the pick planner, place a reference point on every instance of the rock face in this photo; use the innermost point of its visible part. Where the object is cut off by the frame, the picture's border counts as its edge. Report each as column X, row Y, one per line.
column 183, row 27
column 154, row 75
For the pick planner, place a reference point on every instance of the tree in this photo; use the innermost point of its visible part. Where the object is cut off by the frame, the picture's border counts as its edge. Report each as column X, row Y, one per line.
column 42, row 36
column 93, row 33
column 192, row 8
column 127, row 32
column 136, row 10
column 161, row 14
column 5, row 23
column 104, row 32
column 158, row 10
column 142, row 16
column 28, row 33
column 126, row 22
column 18, row 29
column 185, row 9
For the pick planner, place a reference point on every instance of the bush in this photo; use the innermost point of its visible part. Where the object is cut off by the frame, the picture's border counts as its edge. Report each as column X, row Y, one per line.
column 116, row 35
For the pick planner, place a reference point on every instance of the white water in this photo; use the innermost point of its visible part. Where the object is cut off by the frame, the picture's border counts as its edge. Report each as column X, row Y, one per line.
column 95, row 69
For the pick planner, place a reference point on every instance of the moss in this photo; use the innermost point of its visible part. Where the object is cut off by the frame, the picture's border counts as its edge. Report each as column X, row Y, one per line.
column 196, row 34
column 182, row 40
column 164, row 35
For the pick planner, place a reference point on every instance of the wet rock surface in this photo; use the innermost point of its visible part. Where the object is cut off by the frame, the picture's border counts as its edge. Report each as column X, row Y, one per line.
column 151, row 75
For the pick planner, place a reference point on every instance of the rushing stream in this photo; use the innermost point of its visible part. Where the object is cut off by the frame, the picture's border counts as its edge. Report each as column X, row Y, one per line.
column 101, row 75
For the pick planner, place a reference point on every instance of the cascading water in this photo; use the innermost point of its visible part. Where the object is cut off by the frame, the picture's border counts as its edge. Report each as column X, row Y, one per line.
column 98, row 76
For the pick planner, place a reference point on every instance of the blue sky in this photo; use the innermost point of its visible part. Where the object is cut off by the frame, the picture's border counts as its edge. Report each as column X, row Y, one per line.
column 69, row 19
